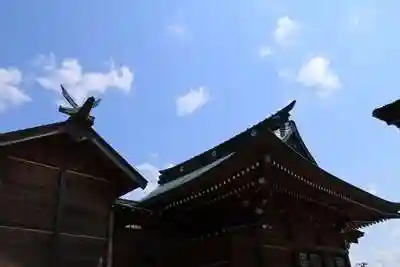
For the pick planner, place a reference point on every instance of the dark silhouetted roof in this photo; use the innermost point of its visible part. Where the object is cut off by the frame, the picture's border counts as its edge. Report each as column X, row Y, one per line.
column 90, row 134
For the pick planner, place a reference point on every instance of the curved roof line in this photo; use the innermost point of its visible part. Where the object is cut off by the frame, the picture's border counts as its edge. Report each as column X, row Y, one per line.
column 271, row 123
column 294, row 132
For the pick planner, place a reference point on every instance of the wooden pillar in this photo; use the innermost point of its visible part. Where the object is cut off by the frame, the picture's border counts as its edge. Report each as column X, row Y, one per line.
column 110, row 238
column 55, row 250
column 231, row 250
column 258, row 249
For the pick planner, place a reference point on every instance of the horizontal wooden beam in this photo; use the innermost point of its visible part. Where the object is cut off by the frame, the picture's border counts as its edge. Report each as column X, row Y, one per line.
column 43, row 165
column 84, row 236
column 306, row 249
column 88, row 176
column 31, row 162
column 15, row 228
column 49, row 232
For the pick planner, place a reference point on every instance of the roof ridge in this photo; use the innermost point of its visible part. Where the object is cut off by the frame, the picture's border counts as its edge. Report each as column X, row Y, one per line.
column 273, row 122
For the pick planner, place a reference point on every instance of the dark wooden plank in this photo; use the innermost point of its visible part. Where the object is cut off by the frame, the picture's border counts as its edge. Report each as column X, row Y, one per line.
column 27, row 196
column 87, row 204
column 80, row 252
column 24, row 248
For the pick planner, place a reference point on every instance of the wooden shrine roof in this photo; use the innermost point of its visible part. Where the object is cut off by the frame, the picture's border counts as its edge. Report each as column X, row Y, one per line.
column 279, row 122
column 293, row 154
column 288, row 134
column 272, row 123
column 59, row 128
column 389, row 113
column 186, row 178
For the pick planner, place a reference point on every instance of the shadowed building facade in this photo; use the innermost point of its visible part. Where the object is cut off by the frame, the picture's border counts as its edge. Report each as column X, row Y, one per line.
column 58, row 184
column 258, row 199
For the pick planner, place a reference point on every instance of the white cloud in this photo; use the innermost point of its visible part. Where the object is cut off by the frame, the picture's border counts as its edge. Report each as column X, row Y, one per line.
column 191, row 101
column 317, row 73
column 79, row 83
column 286, row 30
column 264, row 51
column 10, row 92
column 151, row 173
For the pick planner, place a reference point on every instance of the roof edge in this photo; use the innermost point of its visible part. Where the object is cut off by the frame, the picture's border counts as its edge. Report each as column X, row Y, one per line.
column 387, row 113
column 272, row 122
column 117, row 159
column 42, row 131
column 296, row 132
column 32, row 133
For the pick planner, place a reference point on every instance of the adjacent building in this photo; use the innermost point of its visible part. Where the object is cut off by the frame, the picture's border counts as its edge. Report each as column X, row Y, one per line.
column 257, row 199
column 58, row 184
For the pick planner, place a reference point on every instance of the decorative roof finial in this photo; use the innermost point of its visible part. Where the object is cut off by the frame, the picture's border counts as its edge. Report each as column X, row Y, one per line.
column 281, row 116
column 76, row 112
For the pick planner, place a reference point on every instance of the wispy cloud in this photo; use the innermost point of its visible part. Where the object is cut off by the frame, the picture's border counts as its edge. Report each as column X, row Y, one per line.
column 191, row 101
column 80, row 83
column 317, row 73
column 286, row 31
column 151, row 173
column 10, row 92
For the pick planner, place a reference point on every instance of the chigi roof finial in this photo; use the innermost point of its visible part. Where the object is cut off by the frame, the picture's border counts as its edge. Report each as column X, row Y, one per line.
column 76, row 112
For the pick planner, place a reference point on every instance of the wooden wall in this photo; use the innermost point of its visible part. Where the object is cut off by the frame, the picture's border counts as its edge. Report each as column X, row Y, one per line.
column 275, row 245
column 54, row 210
column 152, row 248
column 136, row 248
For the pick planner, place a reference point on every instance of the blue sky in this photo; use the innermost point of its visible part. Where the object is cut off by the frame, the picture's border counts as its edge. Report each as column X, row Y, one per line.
column 178, row 77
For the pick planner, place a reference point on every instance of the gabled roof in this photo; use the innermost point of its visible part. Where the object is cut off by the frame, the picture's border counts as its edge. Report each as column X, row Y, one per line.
column 272, row 123
column 193, row 168
column 389, row 113
column 318, row 179
column 288, row 144
column 9, row 138
column 288, row 134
